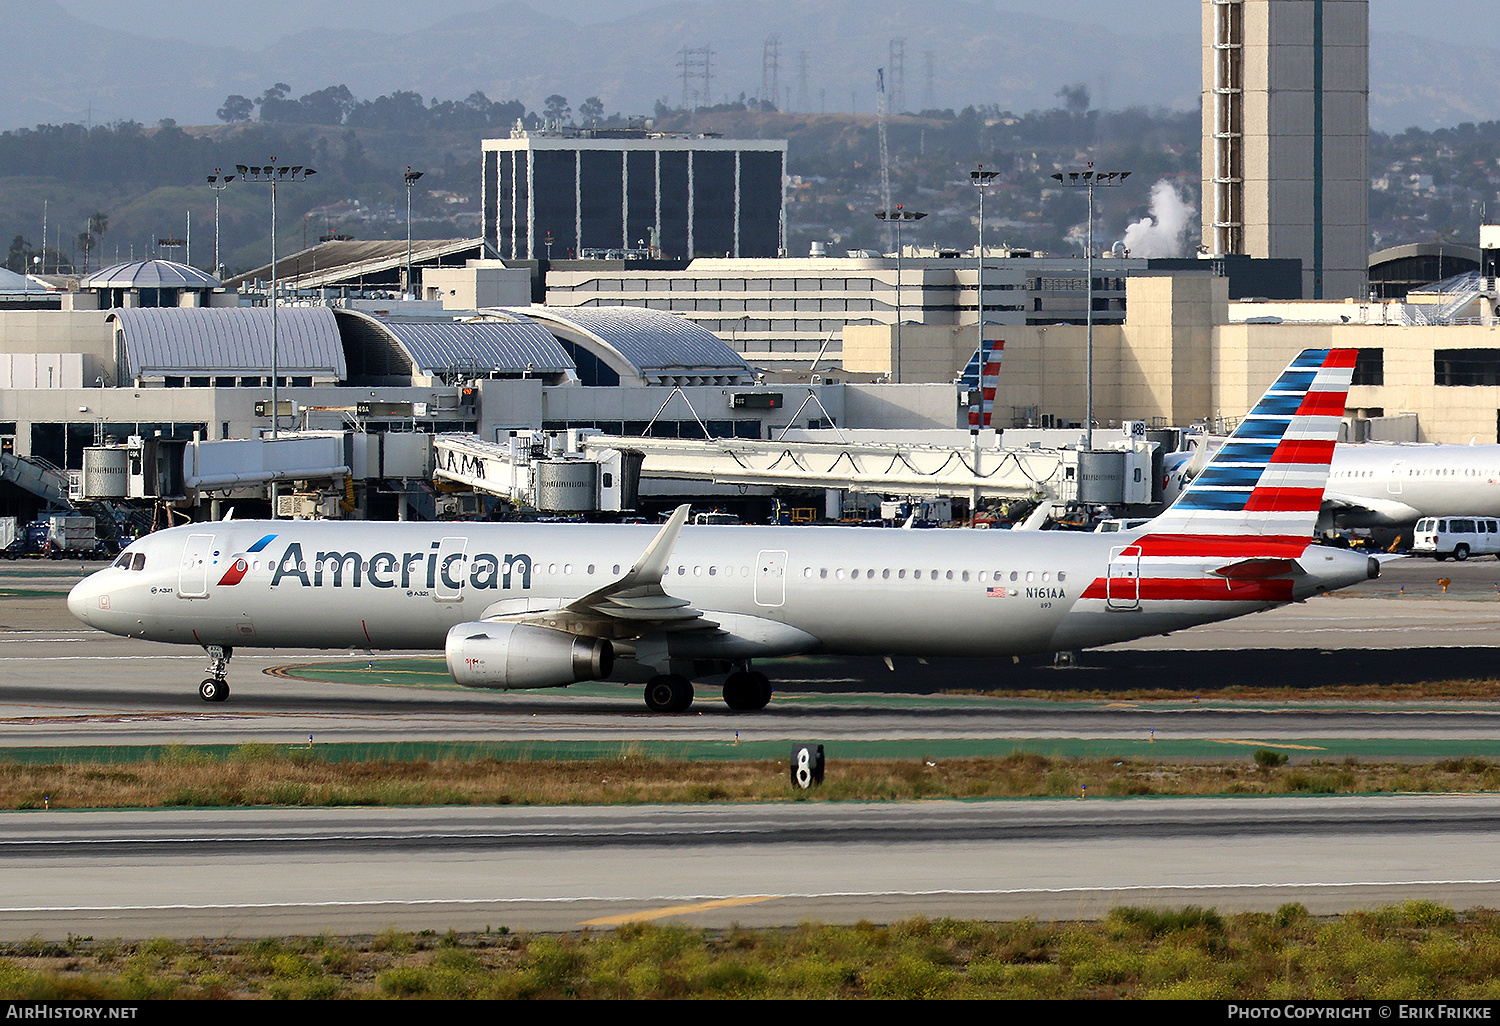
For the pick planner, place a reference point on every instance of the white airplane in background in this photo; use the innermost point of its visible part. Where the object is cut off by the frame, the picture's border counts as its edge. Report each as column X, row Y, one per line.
column 548, row 605
column 1389, row 484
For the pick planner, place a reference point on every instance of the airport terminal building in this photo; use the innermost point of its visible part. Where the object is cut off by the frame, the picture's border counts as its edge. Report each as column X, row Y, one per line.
column 546, row 194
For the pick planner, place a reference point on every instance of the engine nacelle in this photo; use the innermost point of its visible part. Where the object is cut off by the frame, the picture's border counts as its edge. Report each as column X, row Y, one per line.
column 518, row 655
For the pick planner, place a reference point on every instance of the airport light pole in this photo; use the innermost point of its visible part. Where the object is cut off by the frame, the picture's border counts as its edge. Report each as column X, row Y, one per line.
column 218, row 182
column 411, row 179
column 274, row 174
column 897, row 216
column 981, row 180
column 1087, row 179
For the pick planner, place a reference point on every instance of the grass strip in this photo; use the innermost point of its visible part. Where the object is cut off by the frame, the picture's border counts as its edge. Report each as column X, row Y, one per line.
column 261, row 775
column 1419, row 949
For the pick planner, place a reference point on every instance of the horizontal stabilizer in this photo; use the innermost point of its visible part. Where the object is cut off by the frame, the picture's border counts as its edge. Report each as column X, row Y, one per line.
column 1261, row 568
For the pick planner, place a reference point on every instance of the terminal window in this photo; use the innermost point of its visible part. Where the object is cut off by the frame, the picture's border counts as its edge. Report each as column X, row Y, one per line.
column 1369, row 367
column 1466, row 367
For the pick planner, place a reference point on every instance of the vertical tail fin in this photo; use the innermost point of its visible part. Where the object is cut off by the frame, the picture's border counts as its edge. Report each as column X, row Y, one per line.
column 1268, row 477
column 980, row 377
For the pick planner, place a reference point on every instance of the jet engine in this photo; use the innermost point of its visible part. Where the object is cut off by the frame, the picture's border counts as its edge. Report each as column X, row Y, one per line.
column 518, row 655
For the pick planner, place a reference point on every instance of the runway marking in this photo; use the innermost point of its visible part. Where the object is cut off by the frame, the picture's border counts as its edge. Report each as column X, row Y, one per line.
column 679, row 910
column 706, row 902
column 1265, row 744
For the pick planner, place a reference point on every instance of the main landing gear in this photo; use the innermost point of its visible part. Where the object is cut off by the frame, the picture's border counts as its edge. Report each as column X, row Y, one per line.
column 744, row 691
column 215, row 688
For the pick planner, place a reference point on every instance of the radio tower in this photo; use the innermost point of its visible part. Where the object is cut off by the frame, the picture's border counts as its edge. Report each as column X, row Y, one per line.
column 770, row 89
column 897, row 64
column 885, row 155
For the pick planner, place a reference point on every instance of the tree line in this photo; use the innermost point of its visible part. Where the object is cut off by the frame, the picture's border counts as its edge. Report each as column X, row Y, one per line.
column 402, row 110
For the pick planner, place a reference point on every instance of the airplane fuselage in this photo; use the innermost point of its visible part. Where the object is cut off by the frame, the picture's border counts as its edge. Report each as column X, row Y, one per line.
column 1377, row 484
column 867, row 591
column 1402, row 483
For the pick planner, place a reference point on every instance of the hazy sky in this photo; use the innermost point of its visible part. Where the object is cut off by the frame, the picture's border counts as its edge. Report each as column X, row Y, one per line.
column 257, row 23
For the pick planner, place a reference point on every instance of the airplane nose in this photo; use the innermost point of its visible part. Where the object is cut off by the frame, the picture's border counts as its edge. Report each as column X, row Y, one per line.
column 83, row 598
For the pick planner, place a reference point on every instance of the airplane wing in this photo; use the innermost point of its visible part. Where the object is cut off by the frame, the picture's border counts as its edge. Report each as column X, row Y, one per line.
column 1368, row 511
column 635, row 604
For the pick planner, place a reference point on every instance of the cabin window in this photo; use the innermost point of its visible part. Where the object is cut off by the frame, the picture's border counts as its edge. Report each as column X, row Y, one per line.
column 916, row 575
column 901, row 574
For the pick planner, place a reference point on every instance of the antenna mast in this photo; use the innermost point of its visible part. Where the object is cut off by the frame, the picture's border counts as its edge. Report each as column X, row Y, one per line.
column 885, row 156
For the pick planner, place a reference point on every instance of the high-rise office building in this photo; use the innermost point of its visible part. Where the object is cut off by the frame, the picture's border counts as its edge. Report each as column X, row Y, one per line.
column 1286, row 148
column 550, row 194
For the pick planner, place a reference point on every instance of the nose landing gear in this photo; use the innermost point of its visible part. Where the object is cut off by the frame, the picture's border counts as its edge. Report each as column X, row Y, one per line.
column 215, row 688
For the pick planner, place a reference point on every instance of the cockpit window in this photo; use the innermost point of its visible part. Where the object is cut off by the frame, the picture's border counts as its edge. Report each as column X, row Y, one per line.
column 140, row 561
column 124, row 561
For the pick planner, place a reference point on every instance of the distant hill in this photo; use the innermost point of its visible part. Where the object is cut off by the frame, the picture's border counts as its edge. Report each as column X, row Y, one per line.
column 59, row 68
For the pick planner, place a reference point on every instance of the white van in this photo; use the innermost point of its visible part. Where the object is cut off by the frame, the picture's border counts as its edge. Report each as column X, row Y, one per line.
column 1459, row 537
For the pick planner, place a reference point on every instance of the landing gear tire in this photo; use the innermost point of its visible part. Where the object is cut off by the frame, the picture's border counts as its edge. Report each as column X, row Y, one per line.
column 215, row 688
column 669, row 692
column 747, row 691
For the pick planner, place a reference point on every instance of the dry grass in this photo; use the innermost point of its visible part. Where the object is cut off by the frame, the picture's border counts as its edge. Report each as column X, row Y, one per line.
column 1415, row 950
column 258, row 775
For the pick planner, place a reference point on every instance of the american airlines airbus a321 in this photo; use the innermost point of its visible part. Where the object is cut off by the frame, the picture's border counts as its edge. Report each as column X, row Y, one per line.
column 548, row 605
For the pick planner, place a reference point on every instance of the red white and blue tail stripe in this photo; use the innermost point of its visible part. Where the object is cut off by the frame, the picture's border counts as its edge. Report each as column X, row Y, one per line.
column 981, row 386
column 1268, row 478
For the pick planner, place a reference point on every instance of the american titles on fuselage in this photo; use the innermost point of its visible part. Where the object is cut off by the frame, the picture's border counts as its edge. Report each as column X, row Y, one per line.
column 486, row 571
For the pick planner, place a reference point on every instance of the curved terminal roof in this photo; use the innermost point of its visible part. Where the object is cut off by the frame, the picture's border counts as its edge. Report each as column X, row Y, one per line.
column 157, row 341
column 150, row 274
column 651, row 346
column 446, row 347
column 10, row 281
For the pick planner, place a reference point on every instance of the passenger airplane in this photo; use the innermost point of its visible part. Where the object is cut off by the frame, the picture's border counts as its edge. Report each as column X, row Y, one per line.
column 548, row 605
column 1392, row 484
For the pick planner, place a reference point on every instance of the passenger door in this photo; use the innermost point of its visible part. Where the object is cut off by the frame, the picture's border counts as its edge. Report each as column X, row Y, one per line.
column 1122, row 587
column 770, row 577
column 197, row 560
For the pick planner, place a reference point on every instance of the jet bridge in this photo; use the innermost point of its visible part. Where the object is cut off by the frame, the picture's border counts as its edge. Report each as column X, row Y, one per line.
column 916, row 470
column 545, row 470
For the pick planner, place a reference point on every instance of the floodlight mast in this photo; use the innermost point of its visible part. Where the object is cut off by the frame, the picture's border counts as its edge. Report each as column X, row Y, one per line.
column 898, row 215
column 1087, row 179
column 274, row 174
column 981, row 180
column 411, row 179
column 218, row 182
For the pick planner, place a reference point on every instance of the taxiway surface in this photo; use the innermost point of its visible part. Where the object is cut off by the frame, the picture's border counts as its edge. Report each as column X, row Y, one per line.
column 275, row 871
